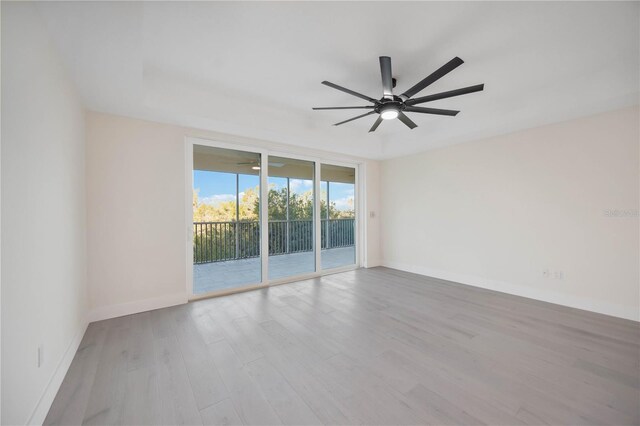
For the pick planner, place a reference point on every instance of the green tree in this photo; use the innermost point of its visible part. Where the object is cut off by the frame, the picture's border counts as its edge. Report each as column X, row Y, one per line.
column 300, row 207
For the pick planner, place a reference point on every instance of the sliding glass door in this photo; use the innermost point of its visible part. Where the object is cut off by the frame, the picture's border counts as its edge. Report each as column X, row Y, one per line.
column 338, row 216
column 258, row 218
column 226, row 219
column 291, row 217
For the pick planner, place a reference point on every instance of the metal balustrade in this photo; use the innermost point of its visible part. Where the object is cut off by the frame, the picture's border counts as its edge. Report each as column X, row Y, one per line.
column 220, row 241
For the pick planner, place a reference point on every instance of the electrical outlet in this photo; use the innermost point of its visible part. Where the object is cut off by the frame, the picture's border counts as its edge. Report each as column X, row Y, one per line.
column 40, row 359
column 372, row 214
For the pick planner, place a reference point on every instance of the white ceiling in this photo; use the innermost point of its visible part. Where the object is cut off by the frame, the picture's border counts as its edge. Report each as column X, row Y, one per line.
column 254, row 69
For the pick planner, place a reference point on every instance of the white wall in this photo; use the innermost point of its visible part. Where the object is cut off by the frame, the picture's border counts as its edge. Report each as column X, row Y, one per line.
column 136, row 212
column 43, row 217
column 496, row 213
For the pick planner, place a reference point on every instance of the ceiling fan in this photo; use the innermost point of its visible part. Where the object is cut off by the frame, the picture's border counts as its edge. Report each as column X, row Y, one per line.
column 391, row 106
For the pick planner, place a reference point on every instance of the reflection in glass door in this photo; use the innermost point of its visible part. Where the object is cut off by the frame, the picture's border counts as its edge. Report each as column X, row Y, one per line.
column 338, row 216
column 290, row 216
column 226, row 219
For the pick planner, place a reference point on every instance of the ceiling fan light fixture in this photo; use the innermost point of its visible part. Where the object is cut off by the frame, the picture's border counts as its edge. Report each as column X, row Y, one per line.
column 389, row 113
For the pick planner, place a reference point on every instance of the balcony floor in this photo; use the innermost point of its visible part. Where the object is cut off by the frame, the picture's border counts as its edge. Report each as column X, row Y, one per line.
column 237, row 273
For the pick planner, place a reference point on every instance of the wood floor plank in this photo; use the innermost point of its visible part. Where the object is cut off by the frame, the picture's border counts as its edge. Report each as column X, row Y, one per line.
column 431, row 402
column 245, row 349
column 286, row 402
column 143, row 399
column 141, row 353
column 378, row 404
column 208, row 329
column 108, row 391
column 249, row 402
column 177, row 404
column 370, row 346
column 293, row 359
column 70, row 403
column 204, row 378
column 162, row 322
column 221, row 414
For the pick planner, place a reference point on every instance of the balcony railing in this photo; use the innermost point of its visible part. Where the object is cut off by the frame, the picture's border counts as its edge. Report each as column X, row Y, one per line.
column 220, row 241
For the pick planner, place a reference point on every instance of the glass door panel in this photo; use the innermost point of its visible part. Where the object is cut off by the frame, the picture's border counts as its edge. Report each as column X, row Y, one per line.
column 338, row 216
column 291, row 213
column 226, row 219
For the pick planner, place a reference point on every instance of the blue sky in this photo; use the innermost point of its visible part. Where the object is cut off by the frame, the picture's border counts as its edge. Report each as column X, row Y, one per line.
column 216, row 186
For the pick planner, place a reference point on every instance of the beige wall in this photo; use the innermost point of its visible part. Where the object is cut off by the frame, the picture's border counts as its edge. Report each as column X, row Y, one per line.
column 135, row 214
column 372, row 215
column 43, row 217
column 137, row 234
column 499, row 212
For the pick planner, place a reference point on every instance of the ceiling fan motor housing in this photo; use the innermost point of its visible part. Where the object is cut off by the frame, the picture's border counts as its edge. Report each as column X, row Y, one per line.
column 387, row 104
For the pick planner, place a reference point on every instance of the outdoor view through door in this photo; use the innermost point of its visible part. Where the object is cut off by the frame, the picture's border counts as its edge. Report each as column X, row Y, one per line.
column 226, row 219
column 227, row 224
column 291, row 210
column 338, row 216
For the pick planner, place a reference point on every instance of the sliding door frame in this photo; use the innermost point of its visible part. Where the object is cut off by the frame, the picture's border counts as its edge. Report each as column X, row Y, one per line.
column 359, row 239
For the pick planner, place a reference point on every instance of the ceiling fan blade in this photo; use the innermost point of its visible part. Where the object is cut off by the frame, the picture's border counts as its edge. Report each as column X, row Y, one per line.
column 437, row 74
column 349, row 107
column 355, row 118
column 387, row 78
column 435, row 111
column 375, row 125
column 351, row 92
column 449, row 94
column 406, row 120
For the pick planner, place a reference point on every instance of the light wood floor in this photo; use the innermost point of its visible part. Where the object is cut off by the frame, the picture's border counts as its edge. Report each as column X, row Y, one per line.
column 375, row 346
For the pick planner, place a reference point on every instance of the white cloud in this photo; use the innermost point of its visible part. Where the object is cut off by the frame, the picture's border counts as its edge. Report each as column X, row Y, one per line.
column 343, row 203
column 217, row 199
column 299, row 185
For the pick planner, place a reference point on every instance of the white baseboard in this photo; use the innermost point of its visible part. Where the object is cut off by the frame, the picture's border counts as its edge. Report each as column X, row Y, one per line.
column 46, row 399
column 600, row 307
column 128, row 308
